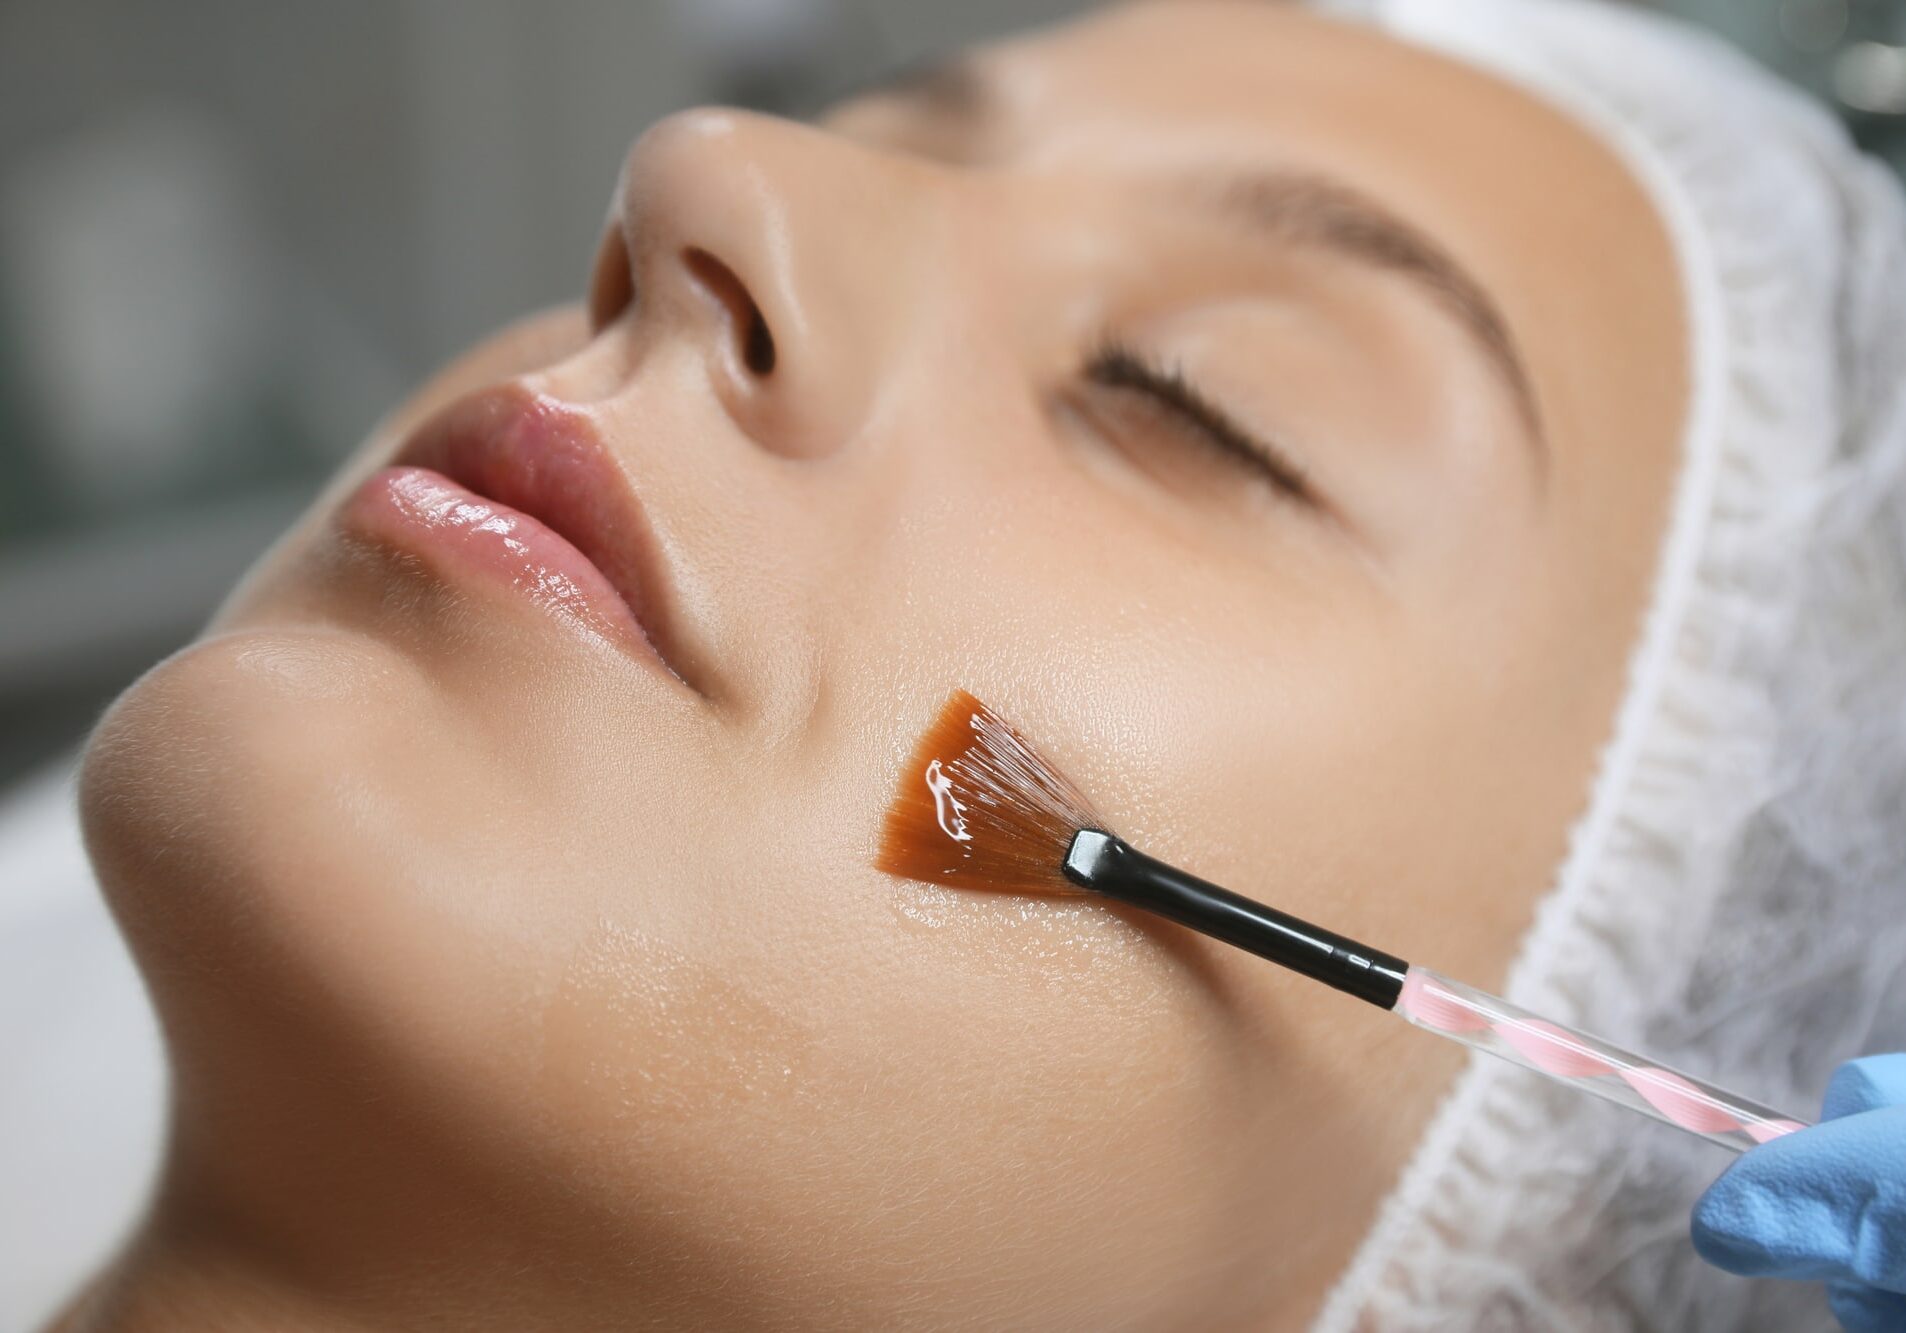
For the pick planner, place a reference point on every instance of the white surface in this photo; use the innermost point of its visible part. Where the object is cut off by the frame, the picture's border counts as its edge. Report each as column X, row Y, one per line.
column 82, row 1075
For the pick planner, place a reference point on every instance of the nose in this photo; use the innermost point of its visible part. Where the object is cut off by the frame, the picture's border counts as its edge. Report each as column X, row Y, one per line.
column 755, row 239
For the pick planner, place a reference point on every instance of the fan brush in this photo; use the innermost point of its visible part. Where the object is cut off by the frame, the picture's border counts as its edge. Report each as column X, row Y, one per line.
column 977, row 807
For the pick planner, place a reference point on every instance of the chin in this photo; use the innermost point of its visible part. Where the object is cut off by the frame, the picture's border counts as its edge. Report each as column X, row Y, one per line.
column 236, row 804
column 225, row 763
column 251, row 808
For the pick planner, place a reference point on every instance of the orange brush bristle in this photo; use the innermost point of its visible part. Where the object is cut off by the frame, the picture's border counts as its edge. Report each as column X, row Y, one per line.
column 978, row 806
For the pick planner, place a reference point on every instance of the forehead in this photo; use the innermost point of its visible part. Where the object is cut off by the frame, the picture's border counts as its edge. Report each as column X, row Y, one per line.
column 1456, row 149
column 1276, row 78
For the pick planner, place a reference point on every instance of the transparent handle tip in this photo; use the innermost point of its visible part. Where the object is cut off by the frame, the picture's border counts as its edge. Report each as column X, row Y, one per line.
column 1490, row 1023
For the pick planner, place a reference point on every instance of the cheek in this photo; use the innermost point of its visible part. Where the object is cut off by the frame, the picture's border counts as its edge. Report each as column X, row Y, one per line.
column 834, row 1101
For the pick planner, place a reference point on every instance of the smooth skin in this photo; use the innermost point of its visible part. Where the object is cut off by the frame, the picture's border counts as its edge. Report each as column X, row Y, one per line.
column 511, row 983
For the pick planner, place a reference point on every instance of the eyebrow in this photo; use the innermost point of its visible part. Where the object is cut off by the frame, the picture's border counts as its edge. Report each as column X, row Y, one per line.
column 1302, row 208
column 1309, row 209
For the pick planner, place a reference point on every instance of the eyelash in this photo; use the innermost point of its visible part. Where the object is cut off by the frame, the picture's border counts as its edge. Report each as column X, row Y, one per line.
column 1115, row 364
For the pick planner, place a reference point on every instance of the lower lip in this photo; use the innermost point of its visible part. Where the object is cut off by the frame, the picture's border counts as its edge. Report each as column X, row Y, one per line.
column 460, row 534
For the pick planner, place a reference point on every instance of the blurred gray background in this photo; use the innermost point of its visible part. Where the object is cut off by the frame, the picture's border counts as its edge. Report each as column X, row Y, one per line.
column 232, row 234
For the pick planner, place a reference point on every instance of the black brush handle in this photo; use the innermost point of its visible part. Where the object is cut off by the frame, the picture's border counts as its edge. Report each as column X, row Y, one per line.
column 1105, row 864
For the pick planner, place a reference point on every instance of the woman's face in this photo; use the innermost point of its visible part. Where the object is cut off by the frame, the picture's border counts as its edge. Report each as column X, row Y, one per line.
column 487, row 935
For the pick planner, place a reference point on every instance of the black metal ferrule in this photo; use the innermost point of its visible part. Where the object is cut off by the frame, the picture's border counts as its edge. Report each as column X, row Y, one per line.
column 1105, row 864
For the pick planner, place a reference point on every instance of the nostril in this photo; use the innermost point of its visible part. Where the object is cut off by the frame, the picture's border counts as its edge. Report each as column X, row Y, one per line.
column 756, row 340
column 757, row 349
column 611, row 284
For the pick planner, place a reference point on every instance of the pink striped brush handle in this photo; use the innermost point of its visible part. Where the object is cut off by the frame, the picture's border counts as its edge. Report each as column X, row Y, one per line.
column 1477, row 1018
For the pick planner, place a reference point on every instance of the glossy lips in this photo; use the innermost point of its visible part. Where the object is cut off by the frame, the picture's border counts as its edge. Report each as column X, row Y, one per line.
column 506, row 483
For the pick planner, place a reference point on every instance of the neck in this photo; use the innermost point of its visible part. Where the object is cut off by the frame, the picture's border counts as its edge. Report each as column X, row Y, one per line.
column 324, row 1250
column 169, row 1279
column 177, row 1276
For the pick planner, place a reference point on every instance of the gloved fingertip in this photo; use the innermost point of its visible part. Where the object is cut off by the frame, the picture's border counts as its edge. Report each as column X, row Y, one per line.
column 1731, row 1222
column 1866, row 1084
column 1863, row 1309
column 1793, row 1207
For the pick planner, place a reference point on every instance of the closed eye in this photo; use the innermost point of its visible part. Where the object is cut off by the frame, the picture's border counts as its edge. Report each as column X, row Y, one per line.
column 1115, row 364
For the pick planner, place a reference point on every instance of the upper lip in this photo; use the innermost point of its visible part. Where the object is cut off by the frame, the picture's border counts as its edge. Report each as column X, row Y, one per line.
column 548, row 459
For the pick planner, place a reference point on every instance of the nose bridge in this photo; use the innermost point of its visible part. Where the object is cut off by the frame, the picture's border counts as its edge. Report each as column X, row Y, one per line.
column 783, row 249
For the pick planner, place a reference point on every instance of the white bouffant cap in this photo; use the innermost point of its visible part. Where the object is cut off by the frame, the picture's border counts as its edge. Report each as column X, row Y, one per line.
column 1734, row 897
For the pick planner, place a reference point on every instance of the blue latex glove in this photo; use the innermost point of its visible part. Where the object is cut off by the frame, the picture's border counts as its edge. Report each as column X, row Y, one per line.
column 1825, row 1203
